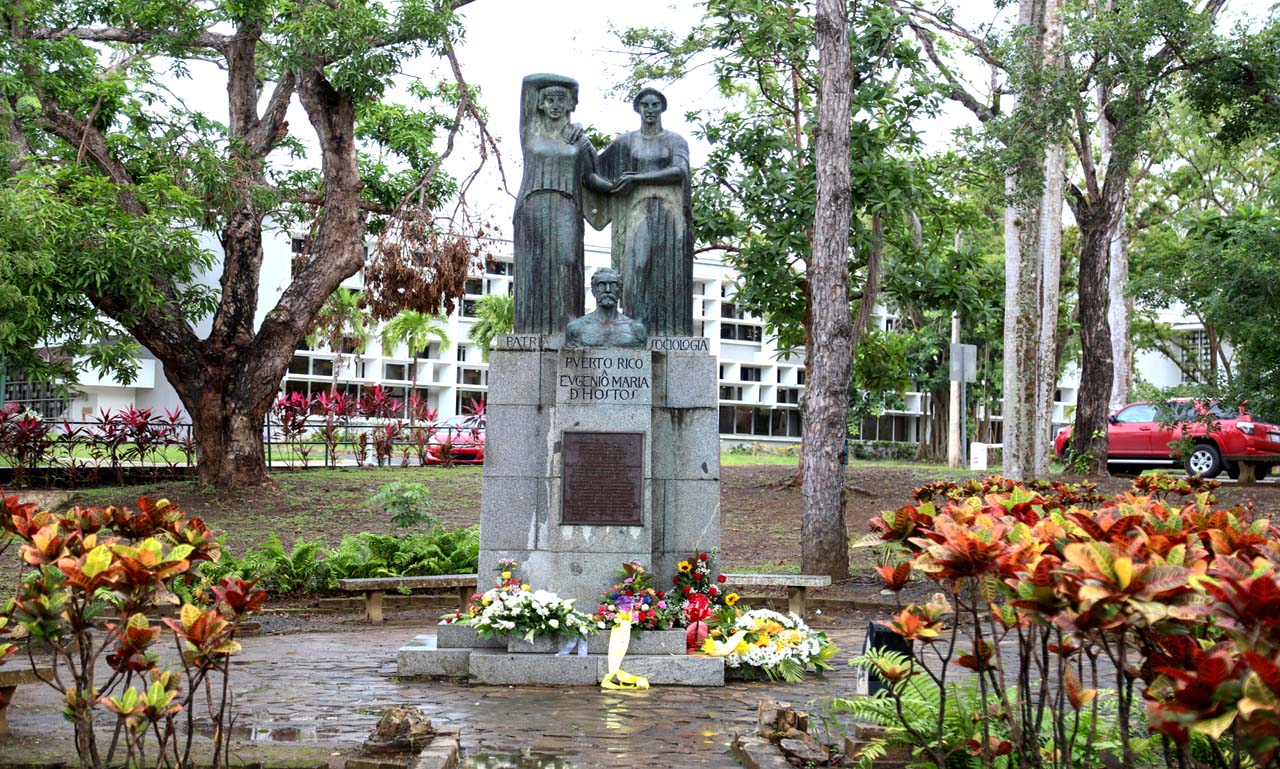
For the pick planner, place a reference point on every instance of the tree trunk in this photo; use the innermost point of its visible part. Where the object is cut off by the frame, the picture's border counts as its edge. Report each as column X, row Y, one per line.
column 824, row 536
column 1022, row 289
column 1119, row 314
column 1033, row 238
column 1089, row 434
column 1051, row 202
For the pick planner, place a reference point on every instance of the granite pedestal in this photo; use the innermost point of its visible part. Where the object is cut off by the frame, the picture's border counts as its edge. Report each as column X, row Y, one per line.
column 594, row 457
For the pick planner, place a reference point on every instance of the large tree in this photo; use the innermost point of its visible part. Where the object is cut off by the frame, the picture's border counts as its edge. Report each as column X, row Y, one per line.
column 1017, row 111
column 823, row 535
column 122, row 185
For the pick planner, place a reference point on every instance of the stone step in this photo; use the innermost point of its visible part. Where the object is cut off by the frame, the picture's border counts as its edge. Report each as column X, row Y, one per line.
column 490, row 667
column 643, row 642
column 425, row 658
column 457, row 636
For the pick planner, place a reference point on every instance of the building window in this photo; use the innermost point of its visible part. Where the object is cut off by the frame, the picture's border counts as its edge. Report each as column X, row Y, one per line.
column 750, row 373
column 1197, row 355
column 298, row 245
column 470, row 376
column 495, row 267
column 469, row 308
column 741, row 332
column 474, row 286
column 466, row 400
column 300, row 364
column 800, row 377
column 321, row 367
column 34, row 395
column 394, row 371
column 788, row 395
column 730, row 393
column 462, row 352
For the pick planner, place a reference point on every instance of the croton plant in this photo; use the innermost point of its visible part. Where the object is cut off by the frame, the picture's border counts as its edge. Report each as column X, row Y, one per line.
column 1069, row 605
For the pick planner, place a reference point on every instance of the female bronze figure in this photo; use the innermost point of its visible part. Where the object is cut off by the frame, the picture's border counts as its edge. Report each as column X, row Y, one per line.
column 651, row 210
column 559, row 174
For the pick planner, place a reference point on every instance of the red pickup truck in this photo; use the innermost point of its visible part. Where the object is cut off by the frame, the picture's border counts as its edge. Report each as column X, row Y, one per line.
column 1136, row 436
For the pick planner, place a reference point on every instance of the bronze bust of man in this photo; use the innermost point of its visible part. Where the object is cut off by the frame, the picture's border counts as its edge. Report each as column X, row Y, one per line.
column 605, row 326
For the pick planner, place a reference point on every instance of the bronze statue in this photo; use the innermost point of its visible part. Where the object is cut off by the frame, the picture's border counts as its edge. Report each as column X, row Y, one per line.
column 559, row 177
column 651, row 210
column 605, row 326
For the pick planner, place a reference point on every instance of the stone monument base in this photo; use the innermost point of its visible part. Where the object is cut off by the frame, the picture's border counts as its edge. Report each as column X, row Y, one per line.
column 455, row 651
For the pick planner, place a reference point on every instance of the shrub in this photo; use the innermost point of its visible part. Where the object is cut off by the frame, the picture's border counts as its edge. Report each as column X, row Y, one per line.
column 409, row 504
column 92, row 577
column 1068, row 606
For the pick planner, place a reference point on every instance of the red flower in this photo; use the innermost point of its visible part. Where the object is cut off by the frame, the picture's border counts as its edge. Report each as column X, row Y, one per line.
column 720, row 578
column 688, row 590
column 675, row 580
column 713, row 591
column 661, row 594
column 702, row 556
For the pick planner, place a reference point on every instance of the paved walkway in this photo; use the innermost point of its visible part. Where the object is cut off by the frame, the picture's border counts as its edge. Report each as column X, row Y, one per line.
column 330, row 688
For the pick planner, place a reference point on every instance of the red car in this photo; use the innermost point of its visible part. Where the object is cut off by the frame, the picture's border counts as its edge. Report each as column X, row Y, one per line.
column 462, row 437
column 1136, row 437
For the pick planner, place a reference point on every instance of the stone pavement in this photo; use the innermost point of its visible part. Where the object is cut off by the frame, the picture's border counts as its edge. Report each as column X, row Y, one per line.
column 330, row 688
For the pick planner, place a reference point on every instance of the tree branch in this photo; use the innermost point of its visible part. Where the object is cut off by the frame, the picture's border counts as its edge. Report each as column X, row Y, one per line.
column 202, row 39
column 958, row 92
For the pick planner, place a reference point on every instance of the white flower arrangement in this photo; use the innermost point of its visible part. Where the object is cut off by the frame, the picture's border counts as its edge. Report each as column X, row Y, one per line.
column 518, row 610
column 778, row 645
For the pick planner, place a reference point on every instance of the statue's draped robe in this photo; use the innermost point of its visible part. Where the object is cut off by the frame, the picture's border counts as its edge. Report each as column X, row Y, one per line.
column 548, row 230
column 652, row 232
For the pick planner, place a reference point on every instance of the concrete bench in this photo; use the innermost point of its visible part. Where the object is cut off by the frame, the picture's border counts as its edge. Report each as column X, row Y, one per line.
column 1249, row 464
column 11, row 679
column 374, row 587
column 794, row 583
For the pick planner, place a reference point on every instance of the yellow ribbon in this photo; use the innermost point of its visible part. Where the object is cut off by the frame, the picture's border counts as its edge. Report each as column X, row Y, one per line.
column 617, row 678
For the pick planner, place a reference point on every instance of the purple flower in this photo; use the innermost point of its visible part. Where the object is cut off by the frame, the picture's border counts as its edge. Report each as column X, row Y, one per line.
column 662, row 604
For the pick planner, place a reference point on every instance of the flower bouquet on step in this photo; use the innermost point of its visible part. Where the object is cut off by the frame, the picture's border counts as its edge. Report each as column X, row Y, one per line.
column 697, row 577
column 515, row 608
column 636, row 598
column 767, row 643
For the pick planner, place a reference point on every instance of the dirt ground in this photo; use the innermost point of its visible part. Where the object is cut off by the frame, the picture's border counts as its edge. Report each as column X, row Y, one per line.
column 760, row 517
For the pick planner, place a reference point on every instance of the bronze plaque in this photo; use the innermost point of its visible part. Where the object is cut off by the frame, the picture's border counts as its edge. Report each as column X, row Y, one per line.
column 603, row 479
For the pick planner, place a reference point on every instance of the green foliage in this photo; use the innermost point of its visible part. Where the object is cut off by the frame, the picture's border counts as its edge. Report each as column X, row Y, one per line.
column 408, row 503
column 380, row 555
column 495, row 314
column 310, row 566
column 415, row 329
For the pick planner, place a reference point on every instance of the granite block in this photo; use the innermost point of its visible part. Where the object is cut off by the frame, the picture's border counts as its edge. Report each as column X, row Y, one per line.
column 457, row 636
column 514, row 379
column 509, row 512
column 690, row 380
column 668, row 670
column 523, row 343
column 607, row 418
column 422, row 657
column 488, row 569
column 686, row 444
column 691, row 516
column 604, row 376
column 499, row 668
column 518, row 442
column 581, row 575
column 642, row 642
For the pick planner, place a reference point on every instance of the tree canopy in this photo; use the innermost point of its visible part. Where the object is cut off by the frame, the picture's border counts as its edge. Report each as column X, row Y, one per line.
column 116, row 187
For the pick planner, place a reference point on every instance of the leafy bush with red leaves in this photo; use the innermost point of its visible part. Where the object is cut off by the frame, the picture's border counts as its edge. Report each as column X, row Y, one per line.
column 93, row 575
column 1067, row 605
